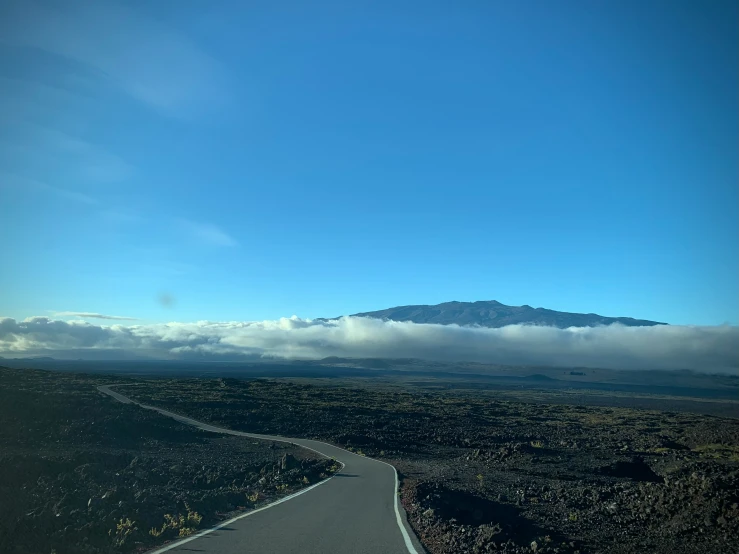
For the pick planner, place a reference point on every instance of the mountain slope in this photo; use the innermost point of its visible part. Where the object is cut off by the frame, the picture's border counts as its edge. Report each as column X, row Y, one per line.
column 490, row 313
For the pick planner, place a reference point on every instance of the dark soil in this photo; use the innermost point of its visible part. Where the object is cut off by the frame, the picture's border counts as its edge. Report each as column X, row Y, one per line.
column 482, row 474
column 82, row 473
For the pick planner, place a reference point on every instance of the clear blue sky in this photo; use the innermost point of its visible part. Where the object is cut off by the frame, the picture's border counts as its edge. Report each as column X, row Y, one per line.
column 261, row 159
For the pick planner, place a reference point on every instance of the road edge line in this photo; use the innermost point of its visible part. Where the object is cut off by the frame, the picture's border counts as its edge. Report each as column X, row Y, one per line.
column 399, row 520
column 223, row 524
column 403, row 530
column 233, row 519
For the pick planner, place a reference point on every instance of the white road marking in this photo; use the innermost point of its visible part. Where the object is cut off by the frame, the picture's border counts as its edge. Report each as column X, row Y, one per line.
column 406, row 537
column 213, row 428
column 230, row 521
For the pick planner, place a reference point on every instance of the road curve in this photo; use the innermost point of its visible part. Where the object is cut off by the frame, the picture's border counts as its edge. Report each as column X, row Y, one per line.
column 355, row 511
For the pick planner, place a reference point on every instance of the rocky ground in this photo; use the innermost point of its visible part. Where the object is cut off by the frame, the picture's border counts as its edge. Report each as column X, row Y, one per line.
column 482, row 474
column 82, row 473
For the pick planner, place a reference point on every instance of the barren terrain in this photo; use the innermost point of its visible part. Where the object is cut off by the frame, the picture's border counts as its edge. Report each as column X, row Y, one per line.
column 487, row 475
column 82, row 473
column 481, row 470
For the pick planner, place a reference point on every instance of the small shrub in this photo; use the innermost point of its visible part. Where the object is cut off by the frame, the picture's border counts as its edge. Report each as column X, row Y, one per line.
column 184, row 525
column 122, row 530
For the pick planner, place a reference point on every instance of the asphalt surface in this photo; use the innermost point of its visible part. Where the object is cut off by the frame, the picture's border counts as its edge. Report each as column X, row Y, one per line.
column 355, row 511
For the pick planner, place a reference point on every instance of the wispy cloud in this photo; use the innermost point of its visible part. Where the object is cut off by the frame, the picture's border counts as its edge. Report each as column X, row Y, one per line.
column 117, row 216
column 62, row 156
column 96, row 164
column 24, row 183
column 93, row 315
column 207, row 233
column 707, row 349
column 28, row 99
column 70, row 194
column 123, row 48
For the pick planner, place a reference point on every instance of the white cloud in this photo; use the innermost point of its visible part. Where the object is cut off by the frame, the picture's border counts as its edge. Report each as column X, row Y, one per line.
column 53, row 163
column 50, row 151
column 118, row 216
column 25, row 184
column 123, row 48
column 93, row 315
column 95, row 164
column 710, row 349
column 206, row 233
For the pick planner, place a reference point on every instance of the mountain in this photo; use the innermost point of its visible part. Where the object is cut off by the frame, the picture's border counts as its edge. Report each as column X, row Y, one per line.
column 490, row 313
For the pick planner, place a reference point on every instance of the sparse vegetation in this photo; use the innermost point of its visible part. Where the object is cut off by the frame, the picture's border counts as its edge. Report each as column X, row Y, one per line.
column 475, row 469
column 719, row 451
column 122, row 531
column 180, row 525
column 89, row 475
column 481, row 469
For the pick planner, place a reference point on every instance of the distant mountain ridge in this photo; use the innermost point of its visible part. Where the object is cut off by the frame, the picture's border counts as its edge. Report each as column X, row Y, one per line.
column 490, row 313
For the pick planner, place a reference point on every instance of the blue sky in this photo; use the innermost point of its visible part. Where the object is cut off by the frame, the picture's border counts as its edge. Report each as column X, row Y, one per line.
column 253, row 160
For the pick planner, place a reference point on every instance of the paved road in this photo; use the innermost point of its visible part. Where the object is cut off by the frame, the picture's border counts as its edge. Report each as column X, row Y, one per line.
column 355, row 511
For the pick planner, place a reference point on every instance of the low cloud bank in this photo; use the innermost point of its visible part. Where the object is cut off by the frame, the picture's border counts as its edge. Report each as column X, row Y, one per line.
column 93, row 315
column 706, row 349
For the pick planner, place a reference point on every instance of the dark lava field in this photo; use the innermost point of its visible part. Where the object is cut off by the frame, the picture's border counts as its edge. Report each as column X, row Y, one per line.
column 81, row 473
column 481, row 474
column 481, row 471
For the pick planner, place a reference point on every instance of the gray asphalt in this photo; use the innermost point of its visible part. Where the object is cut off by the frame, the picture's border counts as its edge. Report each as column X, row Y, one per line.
column 355, row 511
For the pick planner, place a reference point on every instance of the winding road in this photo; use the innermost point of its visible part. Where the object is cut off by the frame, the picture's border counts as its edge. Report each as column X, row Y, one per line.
column 357, row 510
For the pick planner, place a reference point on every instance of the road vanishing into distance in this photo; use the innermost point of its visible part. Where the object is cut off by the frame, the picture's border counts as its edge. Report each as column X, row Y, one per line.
column 357, row 510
